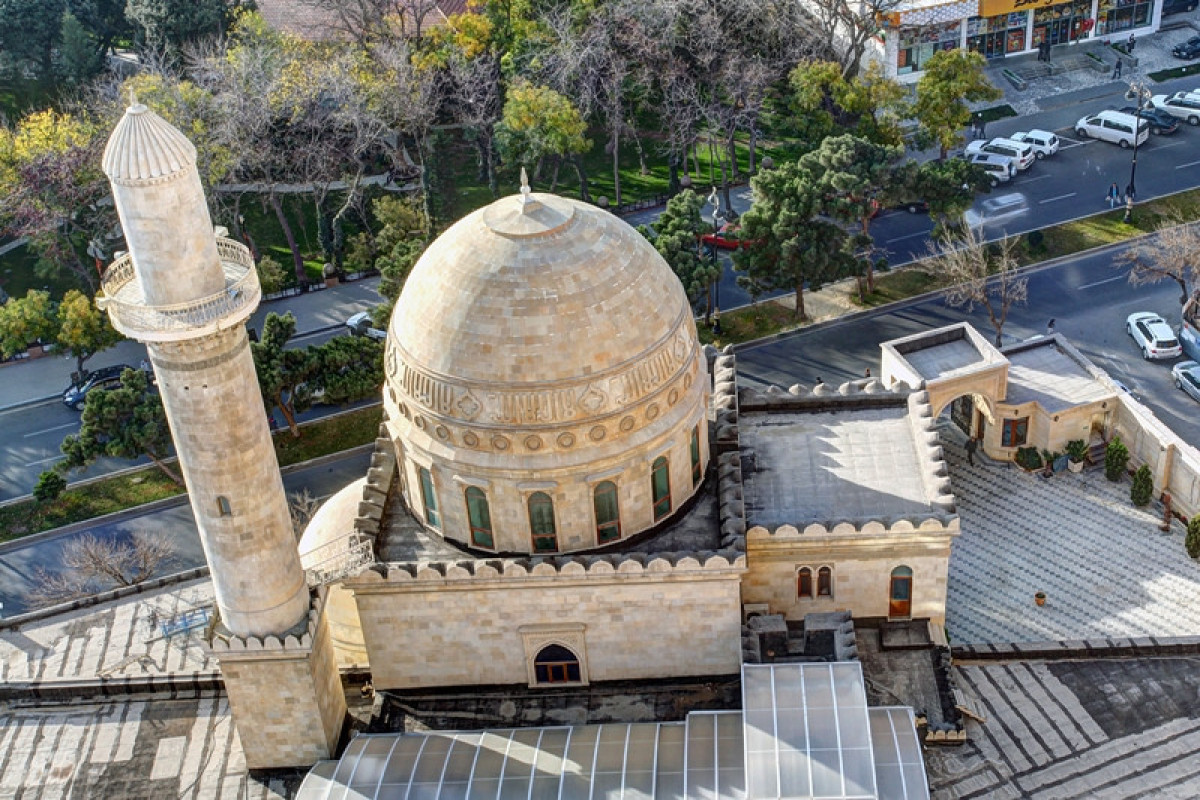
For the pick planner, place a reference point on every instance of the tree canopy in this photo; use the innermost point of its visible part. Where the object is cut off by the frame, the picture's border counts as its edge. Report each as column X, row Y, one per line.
column 951, row 79
column 676, row 236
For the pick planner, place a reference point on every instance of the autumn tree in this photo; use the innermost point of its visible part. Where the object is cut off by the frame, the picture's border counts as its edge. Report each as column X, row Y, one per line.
column 539, row 123
column 83, row 329
column 788, row 246
column 824, row 100
column 950, row 80
column 25, row 320
column 284, row 373
column 126, row 422
column 1172, row 254
column 979, row 273
column 676, row 236
column 92, row 564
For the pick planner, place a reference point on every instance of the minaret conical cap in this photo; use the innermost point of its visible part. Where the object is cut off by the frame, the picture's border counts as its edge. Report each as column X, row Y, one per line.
column 145, row 147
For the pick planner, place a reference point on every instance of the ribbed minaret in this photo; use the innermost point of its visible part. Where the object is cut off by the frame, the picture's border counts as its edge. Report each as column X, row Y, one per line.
column 187, row 295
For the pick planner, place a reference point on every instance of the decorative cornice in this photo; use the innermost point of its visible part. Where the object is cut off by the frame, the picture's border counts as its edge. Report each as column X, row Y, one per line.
column 918, row 524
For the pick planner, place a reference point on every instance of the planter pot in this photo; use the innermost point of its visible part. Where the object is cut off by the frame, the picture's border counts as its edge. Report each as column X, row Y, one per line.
column 1075, row 466
column 1040, row 598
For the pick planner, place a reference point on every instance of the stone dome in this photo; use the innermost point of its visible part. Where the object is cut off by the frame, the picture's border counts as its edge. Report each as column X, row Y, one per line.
column 543, row 338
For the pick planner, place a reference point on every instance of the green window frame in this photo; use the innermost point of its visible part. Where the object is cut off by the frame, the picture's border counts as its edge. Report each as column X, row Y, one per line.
column 660, row 487
column 480, row 517
column 694, row 447
column 429, row 498
column 541, row 523
column 608, row 512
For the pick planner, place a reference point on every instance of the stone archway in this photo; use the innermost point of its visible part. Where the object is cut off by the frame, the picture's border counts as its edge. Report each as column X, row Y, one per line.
column 971, row 412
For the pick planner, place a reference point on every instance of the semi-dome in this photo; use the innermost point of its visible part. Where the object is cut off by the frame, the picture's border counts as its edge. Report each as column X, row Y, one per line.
column 541, row 346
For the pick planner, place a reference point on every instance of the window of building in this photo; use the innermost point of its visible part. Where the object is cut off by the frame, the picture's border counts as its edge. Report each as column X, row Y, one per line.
column 994, row 37
column 608, row 513
column 697, row 471
column 541, row 523
column 556, row 664
column 660, row 487
column 804, row 582
column 1014, row 432
column 223, row 508
column 917, row 45
column 428, row 498
column 900, row 593
column 1113, row 16
column 480, row 517
column 825, row 582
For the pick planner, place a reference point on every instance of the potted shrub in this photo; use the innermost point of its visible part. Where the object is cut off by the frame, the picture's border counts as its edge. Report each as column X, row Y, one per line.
column 1039, row 598
column 1143, row 486
column 1116, row 456
column 1192, row 541
column 1028, row 459
column 1077, row 451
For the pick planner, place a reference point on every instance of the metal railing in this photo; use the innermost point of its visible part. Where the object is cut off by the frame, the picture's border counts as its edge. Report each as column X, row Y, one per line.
column 335, row 560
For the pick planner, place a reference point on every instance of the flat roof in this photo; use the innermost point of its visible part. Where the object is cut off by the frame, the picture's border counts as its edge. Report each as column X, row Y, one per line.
column 835, row 464
column 945, row 360
column 1047, row 374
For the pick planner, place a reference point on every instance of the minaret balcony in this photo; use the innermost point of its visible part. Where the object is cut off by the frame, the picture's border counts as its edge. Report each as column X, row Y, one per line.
column 121, row 296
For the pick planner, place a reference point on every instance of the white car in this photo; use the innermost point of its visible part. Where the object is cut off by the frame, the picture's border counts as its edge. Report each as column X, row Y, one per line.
column 1185, row 105
column 1153, row 335
column 360, row 325
column 1187, row 377
column 994, row 210
column 1000, row 169
column 1021, row 153
column 1044, row 143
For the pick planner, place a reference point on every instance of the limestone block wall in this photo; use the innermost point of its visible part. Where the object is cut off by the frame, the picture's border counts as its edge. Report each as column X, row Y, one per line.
column 286, row 694
column 210, row 392
column 639, row 617
column 1175, row 462
column 862, row 562
column 1047, row 431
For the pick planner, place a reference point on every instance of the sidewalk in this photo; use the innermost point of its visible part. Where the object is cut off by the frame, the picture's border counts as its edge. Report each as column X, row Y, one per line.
column 35, row 380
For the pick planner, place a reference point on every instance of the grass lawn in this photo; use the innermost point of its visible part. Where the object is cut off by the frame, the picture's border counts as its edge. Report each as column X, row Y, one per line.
column 896, row 285
column 322, row 437
column 751, row 322
column 17, row 275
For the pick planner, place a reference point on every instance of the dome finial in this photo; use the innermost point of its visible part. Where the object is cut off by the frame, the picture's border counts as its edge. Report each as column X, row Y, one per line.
column 527, row 200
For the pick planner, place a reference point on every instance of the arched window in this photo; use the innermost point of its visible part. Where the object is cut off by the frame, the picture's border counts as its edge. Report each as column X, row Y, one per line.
column 804, row 583
column 556, row 664
column 900, row 593
column 660, row 487
column 223, row 508
column 697, row 470
column 608, row 514
column 480, row 517
column 428, row 498
column 825, row 582
column 541, row 523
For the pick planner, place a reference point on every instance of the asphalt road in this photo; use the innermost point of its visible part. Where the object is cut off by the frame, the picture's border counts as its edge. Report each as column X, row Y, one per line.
column 32, row 436
column 22, row 561
column 1087, row 297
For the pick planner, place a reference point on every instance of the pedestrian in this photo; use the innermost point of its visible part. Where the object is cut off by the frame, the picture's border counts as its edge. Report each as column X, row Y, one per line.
column 972, row 443
column 1050, row 327
column 1114, row 195
column 980, row 126
column 1130, row 193
column 868, row 373
column 1132, row 42
column 1047, row 44
column 1117, row 69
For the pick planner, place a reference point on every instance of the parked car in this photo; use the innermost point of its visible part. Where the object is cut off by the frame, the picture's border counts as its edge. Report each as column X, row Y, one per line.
column 1161, row 123
column 726, row 237
column 1176, row 6
column 105, row 378
column 1115, row 127
column 1187, row 377
column 360, row 325
column 1000, row 169
column 997, row 209
column 1021, row 154
column 1153, row 335
column 1044, row 143
column 1183, row 105
column 1189, row 49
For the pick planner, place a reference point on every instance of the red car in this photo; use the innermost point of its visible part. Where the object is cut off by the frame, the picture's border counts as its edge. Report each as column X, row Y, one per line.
column 726, row 238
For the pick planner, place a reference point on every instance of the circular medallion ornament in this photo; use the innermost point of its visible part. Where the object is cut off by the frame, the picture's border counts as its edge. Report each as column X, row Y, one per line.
column 470, row 439
column 687, row 381
column 419, row 421
column 441, row 432
column 673, row 397
column 652, row 411
column 533, row 442
column 500, row 443
column 566, row 440
column 597, row 433
column 627, row 424
column 404, row 411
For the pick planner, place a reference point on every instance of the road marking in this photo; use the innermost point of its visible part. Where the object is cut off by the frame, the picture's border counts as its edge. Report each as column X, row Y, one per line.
column 43, row 461
column 1158, row 146
column 1055, row 199
column 1106, row 280
column 1031, row 180
column 1189, row 164
column 909, row 236
column 55, row 428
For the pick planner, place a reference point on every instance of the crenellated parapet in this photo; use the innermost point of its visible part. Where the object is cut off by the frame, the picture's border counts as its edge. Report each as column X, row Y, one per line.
column 297, row 641
column 724, row 399
column 376, row 493
column 934, row 474
column 862, row 393
column 932, row 524
column 525, row 569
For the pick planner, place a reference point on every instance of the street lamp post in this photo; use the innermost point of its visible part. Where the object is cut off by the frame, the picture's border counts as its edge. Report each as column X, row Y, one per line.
column 1138, row 91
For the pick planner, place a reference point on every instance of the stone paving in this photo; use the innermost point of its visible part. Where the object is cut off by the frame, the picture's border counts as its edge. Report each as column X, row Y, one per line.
column 1104, row 565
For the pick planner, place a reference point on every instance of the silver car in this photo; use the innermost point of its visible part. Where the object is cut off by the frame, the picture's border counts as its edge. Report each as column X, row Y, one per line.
column 1187, row 377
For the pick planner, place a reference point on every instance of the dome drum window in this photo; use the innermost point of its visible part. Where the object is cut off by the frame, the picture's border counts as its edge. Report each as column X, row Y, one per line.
column 541, row 523
column 429, row 498
column 480, row 518
column 660, row 487
column 608, row 514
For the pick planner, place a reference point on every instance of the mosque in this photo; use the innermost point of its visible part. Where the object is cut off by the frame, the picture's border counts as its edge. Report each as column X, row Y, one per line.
column 567, row 490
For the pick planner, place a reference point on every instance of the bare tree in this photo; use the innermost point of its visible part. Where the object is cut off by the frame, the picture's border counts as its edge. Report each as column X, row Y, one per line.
column 979, row 273
column 93, row 564
column 847, row 26
column 373, row 21
column 1172, row 253
column 302, row 507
